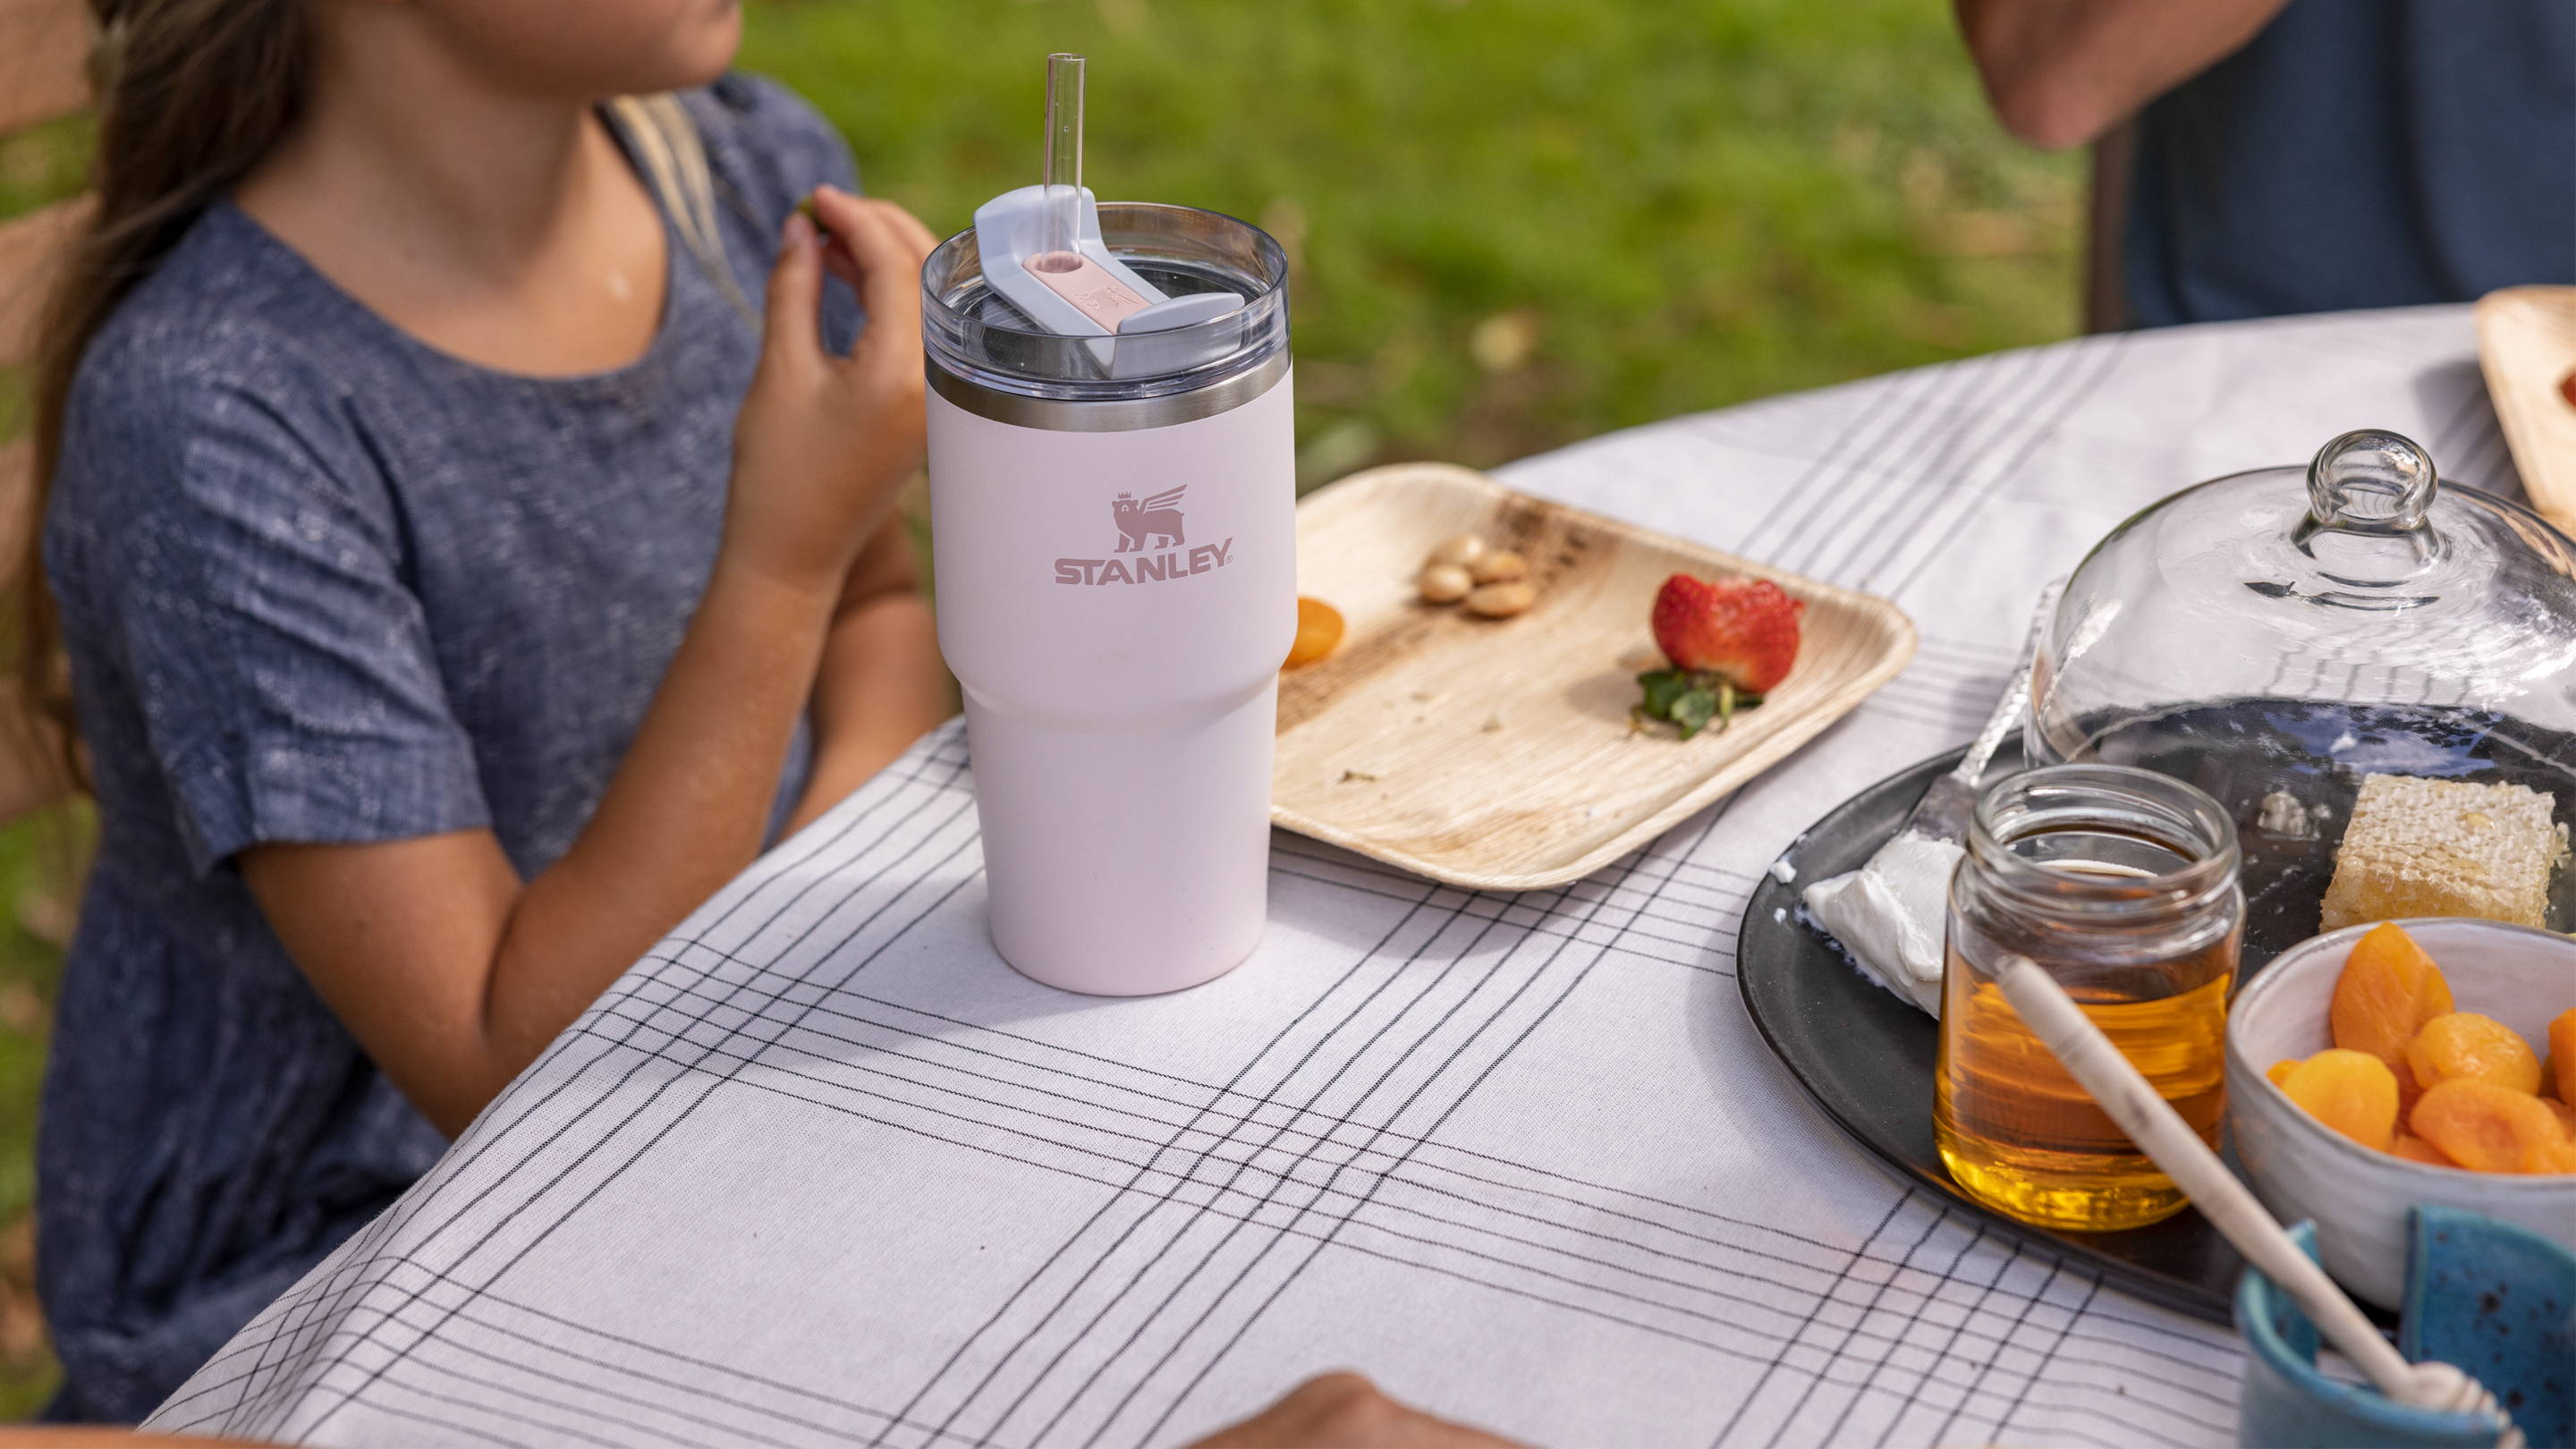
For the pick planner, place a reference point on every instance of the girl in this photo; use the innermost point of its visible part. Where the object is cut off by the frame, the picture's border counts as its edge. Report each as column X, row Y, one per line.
column 445, row 554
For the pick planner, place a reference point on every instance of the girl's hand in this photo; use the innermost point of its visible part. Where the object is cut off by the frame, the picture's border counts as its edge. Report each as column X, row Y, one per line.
column 824, row 442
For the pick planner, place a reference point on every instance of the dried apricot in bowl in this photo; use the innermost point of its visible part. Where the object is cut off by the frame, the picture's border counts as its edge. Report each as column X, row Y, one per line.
column 2416, row 1149
column 2388, row 990
column 2487, row 1128
column 2352, row 1092
column 1319, row 632
column 2562, row 1055
column 2466, row 1044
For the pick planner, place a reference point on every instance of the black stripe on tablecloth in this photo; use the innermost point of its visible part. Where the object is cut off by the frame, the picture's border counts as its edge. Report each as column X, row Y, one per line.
column 2109, row 350
column 1850, row 1260
column 1834, row 1354
column 2008, row 428
column 2003, row 1425
column 2056, row 1270
column 1967, row 1316
column 948, row 750
column 1890, row 1344
column 1904, row 1338
column 1802, row 491
column 1956, row 436
column 1875, row 442
column 476, row 1308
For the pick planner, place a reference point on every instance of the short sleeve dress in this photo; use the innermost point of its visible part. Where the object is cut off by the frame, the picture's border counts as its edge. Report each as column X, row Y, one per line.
column 321, row 582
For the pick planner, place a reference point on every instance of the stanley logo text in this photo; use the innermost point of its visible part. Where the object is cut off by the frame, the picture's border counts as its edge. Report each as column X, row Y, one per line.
column 1150, row 535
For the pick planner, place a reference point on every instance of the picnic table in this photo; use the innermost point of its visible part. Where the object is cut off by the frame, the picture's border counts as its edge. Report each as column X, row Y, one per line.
column 821, row 1169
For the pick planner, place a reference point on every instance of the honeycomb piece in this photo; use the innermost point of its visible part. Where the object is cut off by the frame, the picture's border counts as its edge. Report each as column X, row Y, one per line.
column 2419, row 847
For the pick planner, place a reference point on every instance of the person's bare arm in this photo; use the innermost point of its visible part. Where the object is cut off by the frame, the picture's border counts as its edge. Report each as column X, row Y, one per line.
column 1346, row 1411
column 450, row 971
column 2062, row 72
column 880, row 686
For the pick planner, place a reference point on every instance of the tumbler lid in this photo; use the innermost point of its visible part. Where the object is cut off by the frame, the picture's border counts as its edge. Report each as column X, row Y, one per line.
column 981, row 343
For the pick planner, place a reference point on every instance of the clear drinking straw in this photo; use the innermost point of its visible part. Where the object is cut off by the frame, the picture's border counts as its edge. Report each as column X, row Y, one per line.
column 1063, row 175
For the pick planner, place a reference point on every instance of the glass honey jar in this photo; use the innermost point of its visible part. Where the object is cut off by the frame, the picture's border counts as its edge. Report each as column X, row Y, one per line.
column 2122, row 884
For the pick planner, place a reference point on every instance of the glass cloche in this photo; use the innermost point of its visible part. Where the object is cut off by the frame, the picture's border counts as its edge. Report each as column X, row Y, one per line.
column 2276, row 636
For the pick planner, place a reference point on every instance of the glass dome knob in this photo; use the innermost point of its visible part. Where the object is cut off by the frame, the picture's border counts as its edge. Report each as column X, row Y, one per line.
column 2372, row 482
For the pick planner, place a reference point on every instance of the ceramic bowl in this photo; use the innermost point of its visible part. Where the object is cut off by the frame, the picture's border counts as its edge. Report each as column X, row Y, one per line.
column 2358, row 1198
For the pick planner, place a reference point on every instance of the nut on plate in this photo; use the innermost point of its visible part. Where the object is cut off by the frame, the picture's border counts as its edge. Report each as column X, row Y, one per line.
column 1501, row 566
column 1500, row 601
column 1462, row 550
column 1445, row 583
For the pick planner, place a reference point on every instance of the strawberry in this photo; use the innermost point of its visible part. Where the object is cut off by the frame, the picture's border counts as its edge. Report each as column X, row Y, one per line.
column 1744, row 632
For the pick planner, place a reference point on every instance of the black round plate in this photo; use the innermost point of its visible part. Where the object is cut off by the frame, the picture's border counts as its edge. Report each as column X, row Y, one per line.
column 1866, row 1057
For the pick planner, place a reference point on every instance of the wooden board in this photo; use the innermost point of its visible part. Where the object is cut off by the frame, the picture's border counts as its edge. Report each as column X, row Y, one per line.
column 1498, row 754
column 44, row 60
column 2527, row 343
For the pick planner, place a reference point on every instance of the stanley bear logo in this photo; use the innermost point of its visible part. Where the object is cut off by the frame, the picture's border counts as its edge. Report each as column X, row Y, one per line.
column 1155, row 518
column 1150, row 537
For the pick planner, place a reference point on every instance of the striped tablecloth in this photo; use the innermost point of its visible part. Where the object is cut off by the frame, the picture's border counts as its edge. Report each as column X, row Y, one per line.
column 822, row 1170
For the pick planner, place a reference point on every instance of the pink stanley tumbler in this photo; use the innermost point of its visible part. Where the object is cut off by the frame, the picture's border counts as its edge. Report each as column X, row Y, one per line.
column 1113, row 513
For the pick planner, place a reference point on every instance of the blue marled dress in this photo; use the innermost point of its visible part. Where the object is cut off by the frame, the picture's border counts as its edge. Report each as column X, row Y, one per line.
column 320, row 582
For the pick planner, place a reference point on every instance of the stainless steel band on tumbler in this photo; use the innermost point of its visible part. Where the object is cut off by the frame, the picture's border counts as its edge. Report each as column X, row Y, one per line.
column 1114, row 416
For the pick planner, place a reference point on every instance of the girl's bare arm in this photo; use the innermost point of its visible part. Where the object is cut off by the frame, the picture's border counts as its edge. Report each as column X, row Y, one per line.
column 451, row 971
column 880, row 686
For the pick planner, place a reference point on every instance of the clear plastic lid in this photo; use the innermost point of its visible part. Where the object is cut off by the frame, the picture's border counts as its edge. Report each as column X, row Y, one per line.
column 976, row 335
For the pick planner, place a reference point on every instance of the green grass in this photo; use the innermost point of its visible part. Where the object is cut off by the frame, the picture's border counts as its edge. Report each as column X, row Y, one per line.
column 1515, row 223
column 1638, row 209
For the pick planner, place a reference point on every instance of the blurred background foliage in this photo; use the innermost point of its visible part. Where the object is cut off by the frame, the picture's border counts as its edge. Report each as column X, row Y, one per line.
column 1514, row 224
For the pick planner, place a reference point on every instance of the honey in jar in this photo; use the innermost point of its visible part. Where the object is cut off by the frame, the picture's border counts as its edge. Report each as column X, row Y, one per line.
column 2122, row 885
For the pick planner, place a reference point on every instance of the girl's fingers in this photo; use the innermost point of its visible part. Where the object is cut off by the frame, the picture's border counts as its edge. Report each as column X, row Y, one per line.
column 889, row 270
column 837, row 262
column 910, row 228
column 795, row 299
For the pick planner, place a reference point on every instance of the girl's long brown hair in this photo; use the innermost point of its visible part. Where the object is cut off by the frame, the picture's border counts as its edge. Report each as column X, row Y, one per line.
column 190, row 95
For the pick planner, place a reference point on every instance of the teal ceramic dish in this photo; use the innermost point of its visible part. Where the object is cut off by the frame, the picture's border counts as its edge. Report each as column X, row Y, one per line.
column 2489, row 1297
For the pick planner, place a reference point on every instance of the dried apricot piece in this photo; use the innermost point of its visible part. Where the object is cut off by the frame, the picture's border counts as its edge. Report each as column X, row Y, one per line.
column 2416, row 1149
column 1319, row 632
column 2488, row 1128
column 2352, row 1092
column 2466, row 1044
column 2278, row 1074
column 2562, row 1054
column 2388, row 990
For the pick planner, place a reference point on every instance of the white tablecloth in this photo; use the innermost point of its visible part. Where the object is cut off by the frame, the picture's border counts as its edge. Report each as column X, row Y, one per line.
column 822, row 1170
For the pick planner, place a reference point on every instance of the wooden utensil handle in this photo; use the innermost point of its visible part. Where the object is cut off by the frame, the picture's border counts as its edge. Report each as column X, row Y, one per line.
column 2160, row 1132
